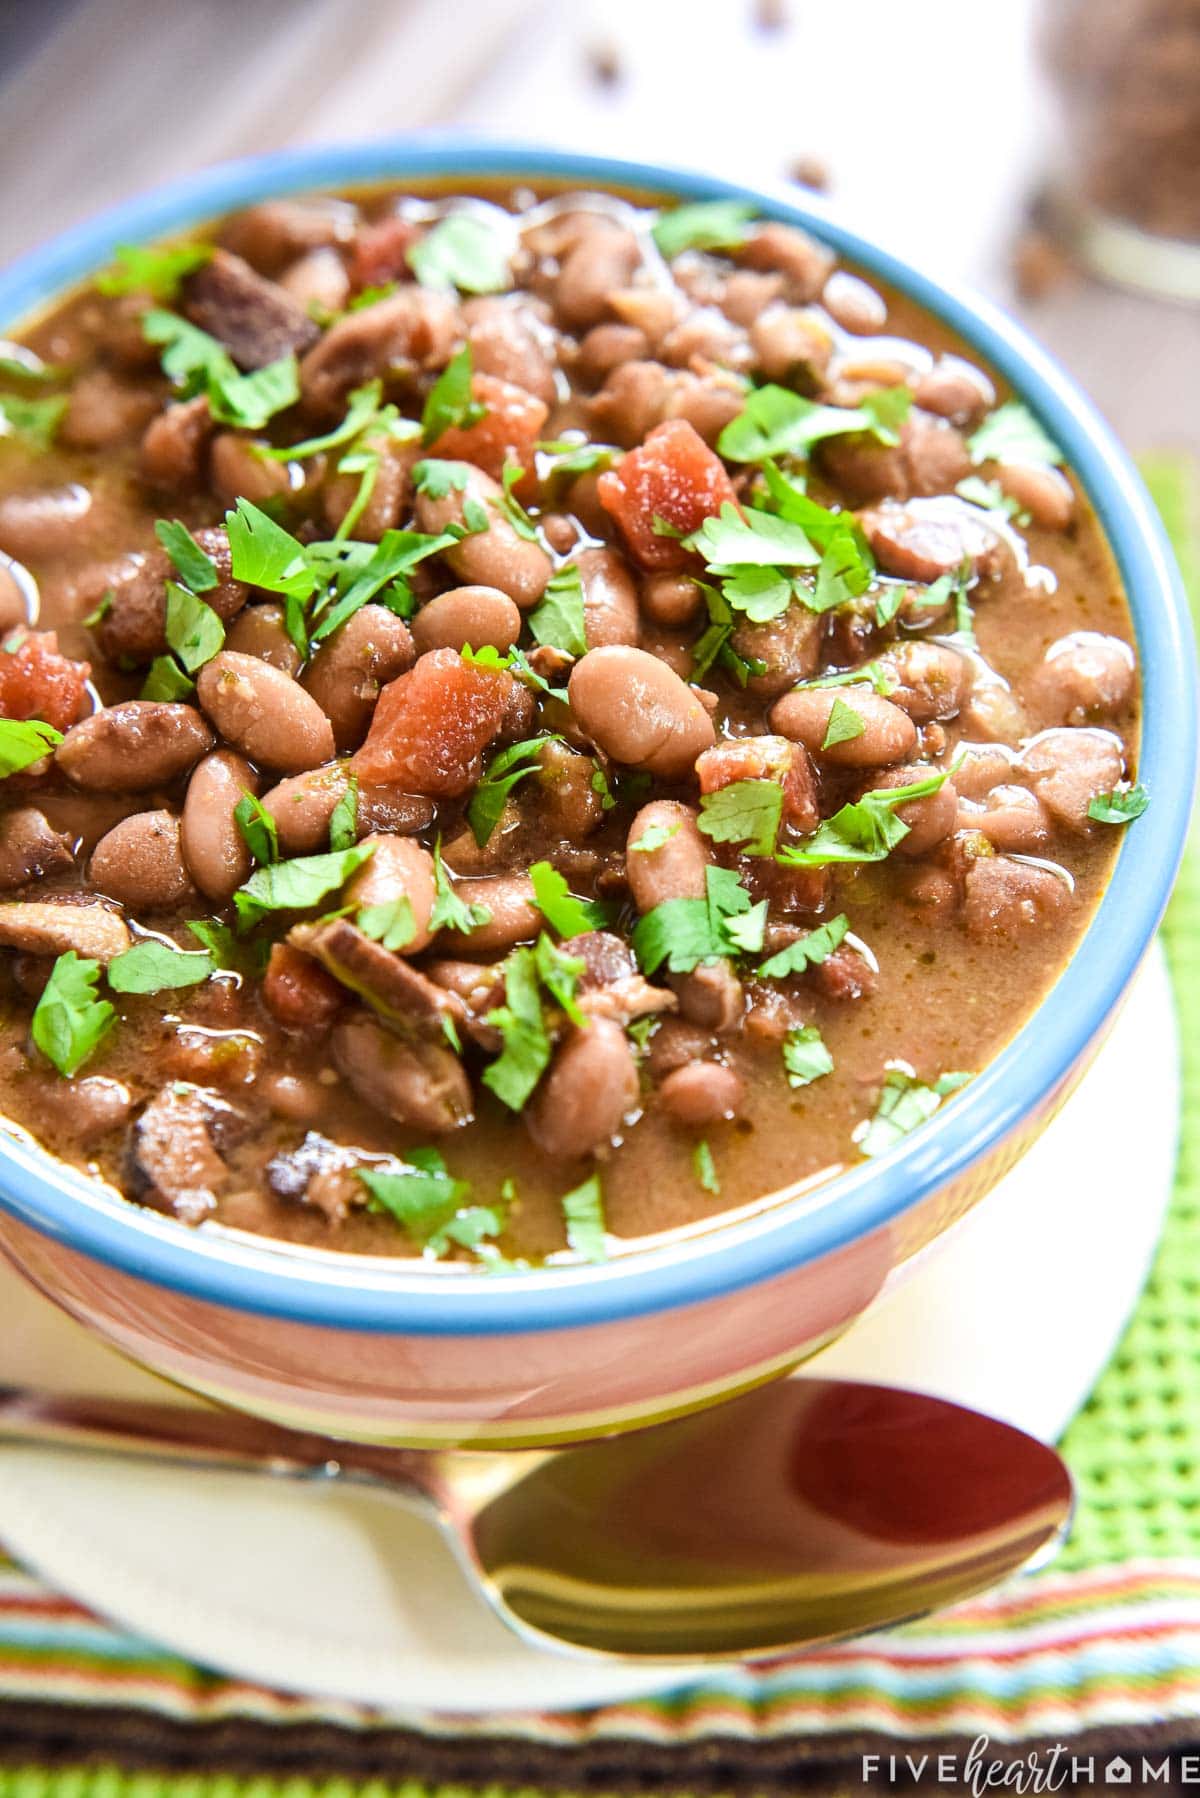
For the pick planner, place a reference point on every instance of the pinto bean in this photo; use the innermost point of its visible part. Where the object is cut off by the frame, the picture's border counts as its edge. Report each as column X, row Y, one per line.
column 932, row 681
column 132, row 629
column 930, row 820
column 605, row 347
column 1067, row 769
column 303, row 806
column 792, row 344
column 954, row 389
column 805, row 264
column 140, row 864
column 788, row 646
column 415, row 328
column 1083, row 676
column 703, row 1092
column 416, row 1083
column 634, row 398
column 505, row 344
column 610, row 607
column 389, row 496
column 888, row 734
column 1013, row 820
column 89, row 1109
column 676, row 868
column 262, row 631
column 1006, row 899
column 980, row 768
column 583, row 1098
column 638, row 711
column 175, row 445
column 930, row 458
column 37, row 526
column 497, row 557
column 994, row 713
column 45, row 928
column 104, row 411
column 261, row 712
column 1044, row 493
column 350, row 669
column 670, row 599
column 602, row 260
column 30, row 848
column 318, row 279
column 213, row 847
column 711, row 996
column 746, row 294
column 467, row 615
column 854, row 303
column 927, row 538
column 704, row 336
column 128, row 748
column 514, row 919
column 237, row 471
column 274, row 233
column 398, row 869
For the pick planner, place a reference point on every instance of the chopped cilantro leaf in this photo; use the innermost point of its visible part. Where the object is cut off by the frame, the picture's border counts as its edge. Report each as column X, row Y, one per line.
column 805, row 1057
column 1012, row 434
column 153, row 967
column 990, row 495
column 166, row 681
column 510, row 475
column 890, row 600
column 362, row 409
column 866, row 830
column 777, row 422
column 264, row 555
column 1121, row 806
column 249, row 401
column 559, row 973
column 703, row 225
column 760, row 594
column 37, row 421
column 499, row 778
column 904, row 1102
column 653, row 837
column 464, row 251
column 423, row 1199
column 449, row 911
column 343, row 820
column 746, row 812
column 195, row 567
column 583, row 1210
column 750, row 538
column 807, row 951
column 395, row 555
column 156, row 270
column 435, row 476
column 450, row 406
column 392, row 923
column 564, row 460
column 225, row 949
column 296, row 885
column 23, row 742
column 685, row 932
column 526, row 1052
column 70, row 1022
column 558, row 618
column 192, row 628
column 844, row 725
column 705, row 1169
column 874, row 674
column 257, row 828
column 565, row 913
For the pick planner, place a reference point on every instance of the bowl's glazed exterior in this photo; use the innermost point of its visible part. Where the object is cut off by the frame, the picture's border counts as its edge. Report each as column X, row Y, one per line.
column 389, row 1351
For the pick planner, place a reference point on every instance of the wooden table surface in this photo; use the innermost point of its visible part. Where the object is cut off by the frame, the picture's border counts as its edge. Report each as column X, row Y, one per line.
column 930, row 115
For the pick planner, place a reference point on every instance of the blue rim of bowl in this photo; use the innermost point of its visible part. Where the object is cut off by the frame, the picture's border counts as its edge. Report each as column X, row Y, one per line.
column 330, row 1290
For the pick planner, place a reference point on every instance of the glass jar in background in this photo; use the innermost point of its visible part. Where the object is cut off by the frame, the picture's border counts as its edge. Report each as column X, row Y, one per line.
column 1126, row 74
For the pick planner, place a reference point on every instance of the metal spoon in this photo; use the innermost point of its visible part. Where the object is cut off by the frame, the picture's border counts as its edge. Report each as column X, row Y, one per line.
column 802, row 1512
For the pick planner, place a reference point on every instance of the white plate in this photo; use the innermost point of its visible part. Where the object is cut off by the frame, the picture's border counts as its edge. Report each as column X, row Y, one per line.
column 344, row 1596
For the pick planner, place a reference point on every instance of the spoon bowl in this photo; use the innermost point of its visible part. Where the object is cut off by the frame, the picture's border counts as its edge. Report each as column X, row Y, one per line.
column 807, row 1511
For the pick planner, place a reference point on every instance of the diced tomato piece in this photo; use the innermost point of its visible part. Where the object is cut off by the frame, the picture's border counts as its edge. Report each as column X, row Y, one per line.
column 432, row 725
column 380, row 253
column 508, row 431
column 298, row 992
column 765, row 758
column 674, row 476
column 37, row 682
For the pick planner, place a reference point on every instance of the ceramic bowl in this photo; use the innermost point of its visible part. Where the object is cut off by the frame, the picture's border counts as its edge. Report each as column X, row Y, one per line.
column 392, row 1351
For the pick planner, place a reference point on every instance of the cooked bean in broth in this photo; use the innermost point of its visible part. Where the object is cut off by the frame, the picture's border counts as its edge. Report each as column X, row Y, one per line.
column 528, row 721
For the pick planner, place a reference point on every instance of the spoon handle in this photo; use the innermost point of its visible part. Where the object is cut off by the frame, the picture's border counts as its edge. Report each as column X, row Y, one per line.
column 191, row 1437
